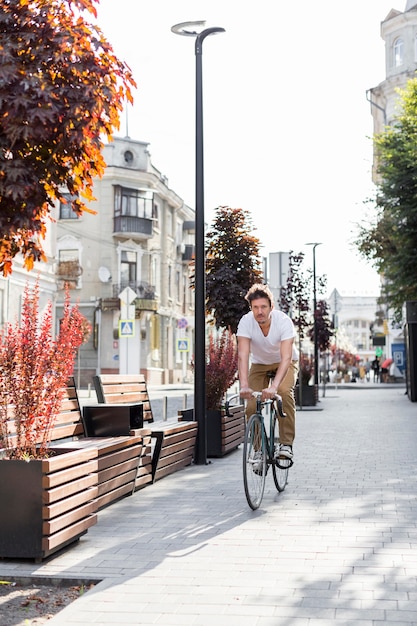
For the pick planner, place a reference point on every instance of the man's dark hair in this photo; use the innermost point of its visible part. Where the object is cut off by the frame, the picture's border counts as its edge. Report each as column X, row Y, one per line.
column 259, row 291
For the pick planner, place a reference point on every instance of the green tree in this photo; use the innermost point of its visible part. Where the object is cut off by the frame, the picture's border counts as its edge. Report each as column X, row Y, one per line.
column 233, row 265
column 389, row 241
column 61, row 90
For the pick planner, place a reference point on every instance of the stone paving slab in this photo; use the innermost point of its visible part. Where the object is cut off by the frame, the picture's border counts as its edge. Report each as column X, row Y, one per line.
column 339, row 546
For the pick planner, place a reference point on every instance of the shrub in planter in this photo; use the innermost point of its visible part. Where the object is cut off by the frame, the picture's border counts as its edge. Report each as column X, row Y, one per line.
column 221, row 368
column 49, row 496
column 34, row 369
column 225, row 429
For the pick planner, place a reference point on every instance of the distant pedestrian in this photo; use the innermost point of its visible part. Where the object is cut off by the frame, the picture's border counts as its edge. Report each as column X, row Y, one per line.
column 375, row 368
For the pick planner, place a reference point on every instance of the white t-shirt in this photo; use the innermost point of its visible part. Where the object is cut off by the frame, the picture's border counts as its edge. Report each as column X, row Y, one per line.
column 267, row 350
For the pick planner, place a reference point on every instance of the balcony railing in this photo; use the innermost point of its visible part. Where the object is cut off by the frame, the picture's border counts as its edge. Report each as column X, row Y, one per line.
column 133, row 226
column 142, row 289
column 146, row 300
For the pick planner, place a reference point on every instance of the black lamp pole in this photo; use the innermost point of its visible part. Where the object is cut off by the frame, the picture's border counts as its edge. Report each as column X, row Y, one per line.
column 187, row 29
column 316, row 345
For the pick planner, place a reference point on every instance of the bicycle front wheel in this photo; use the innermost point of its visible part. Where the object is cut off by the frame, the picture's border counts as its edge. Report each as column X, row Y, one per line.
column 281, row 465
column 254, row 461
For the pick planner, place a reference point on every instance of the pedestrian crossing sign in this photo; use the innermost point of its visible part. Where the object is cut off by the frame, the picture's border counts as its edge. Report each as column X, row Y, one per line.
column 182, row 345
column 126, row 328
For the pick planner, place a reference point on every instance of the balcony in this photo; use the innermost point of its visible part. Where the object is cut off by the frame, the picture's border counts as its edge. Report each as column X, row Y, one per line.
column 146, row 300
column 68, row 273
column 132, row 226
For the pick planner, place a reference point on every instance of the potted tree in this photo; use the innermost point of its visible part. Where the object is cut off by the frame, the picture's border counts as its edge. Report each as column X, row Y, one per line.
column 48, row 495
column 225, row 419
column 308, row 395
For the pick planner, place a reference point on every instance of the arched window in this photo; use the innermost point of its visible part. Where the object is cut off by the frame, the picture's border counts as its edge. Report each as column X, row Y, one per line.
column 398, row 52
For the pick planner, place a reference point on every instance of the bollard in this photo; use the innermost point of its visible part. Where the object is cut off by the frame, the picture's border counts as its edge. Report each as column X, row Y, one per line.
column 165, row 408
column 184, row 401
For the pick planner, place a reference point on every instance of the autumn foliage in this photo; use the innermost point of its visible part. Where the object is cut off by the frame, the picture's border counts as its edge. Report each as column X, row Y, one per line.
column 34, row 369
column 61, row 91
column 221, row 367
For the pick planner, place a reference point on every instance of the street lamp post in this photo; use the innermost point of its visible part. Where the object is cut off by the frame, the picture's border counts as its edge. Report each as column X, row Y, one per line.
column 189, row 29
column 316, row 345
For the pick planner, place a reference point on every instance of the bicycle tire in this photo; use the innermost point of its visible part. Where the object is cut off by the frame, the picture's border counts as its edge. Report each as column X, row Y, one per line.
column 280, row 466
column 254, row 468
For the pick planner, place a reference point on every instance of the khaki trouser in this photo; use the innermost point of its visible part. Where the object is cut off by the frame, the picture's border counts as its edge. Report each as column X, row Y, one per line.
column 259, row 380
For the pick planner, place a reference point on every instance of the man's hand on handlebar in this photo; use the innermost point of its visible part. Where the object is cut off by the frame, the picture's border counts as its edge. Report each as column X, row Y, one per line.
column 270, row 393
column 246, row 393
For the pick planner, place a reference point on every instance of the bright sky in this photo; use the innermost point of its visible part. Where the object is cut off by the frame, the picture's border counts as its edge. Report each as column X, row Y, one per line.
column 287, row 125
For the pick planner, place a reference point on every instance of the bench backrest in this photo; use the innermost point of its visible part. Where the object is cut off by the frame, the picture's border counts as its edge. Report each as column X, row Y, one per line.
column 124, row 389
column 68, row 422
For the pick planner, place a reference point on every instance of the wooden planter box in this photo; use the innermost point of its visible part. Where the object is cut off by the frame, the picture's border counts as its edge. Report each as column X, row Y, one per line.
column 174, row 446
column 225, row 431
column 46, row 504
column 309, row 395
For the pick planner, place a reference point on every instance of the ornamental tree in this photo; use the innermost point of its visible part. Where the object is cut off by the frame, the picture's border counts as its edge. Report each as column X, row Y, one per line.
column 61, row 91
column 233, row 265
column 324, row 326
column 221, row 367
column 294, row 297
column 34, row 370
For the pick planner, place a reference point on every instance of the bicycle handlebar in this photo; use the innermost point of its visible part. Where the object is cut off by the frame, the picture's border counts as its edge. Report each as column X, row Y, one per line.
column 277, row 398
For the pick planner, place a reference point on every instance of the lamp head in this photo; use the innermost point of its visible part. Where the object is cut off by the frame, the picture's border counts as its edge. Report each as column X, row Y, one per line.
column 188, row 29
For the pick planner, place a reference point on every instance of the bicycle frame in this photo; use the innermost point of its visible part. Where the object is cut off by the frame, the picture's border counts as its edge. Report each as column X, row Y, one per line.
column 259, row 452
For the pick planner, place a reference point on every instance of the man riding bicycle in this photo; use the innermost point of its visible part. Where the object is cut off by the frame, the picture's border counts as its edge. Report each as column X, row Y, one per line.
column 266, row 354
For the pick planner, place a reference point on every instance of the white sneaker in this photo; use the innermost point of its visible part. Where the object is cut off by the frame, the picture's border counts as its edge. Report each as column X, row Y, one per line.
column 284, row 450
column 258, row 465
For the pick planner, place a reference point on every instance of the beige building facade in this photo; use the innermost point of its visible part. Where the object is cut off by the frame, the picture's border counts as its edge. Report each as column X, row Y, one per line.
column 128, row 265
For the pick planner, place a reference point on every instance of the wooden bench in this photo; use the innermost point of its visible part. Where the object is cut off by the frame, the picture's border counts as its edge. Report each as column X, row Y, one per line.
column 126, row 388
column 124, row 462
column 174, row 441
column 79, row 477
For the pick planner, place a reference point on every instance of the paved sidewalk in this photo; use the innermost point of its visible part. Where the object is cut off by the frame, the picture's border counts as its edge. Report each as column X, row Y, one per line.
column 339, row 546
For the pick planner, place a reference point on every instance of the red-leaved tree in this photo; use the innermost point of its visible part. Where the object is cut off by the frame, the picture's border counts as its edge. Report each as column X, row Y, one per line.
column 221, row 367
column 61, row 90
column 34, row 370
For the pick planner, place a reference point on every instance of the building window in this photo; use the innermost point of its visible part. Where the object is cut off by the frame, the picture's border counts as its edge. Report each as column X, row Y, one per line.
column 170, row 222
column 133, row 202
column 65, row 208
column 178, row 284
column 128, row 268
column 155, row 214
column 398, row 52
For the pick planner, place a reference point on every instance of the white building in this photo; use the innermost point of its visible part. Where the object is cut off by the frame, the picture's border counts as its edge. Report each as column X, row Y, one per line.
column 129, row 267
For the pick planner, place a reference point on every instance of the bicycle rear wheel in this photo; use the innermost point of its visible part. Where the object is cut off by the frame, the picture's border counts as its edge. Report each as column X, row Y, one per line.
column 281, row 465
column 254, row 461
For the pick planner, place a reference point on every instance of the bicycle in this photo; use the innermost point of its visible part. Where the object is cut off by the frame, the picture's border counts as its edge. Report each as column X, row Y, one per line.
column 259, row 451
